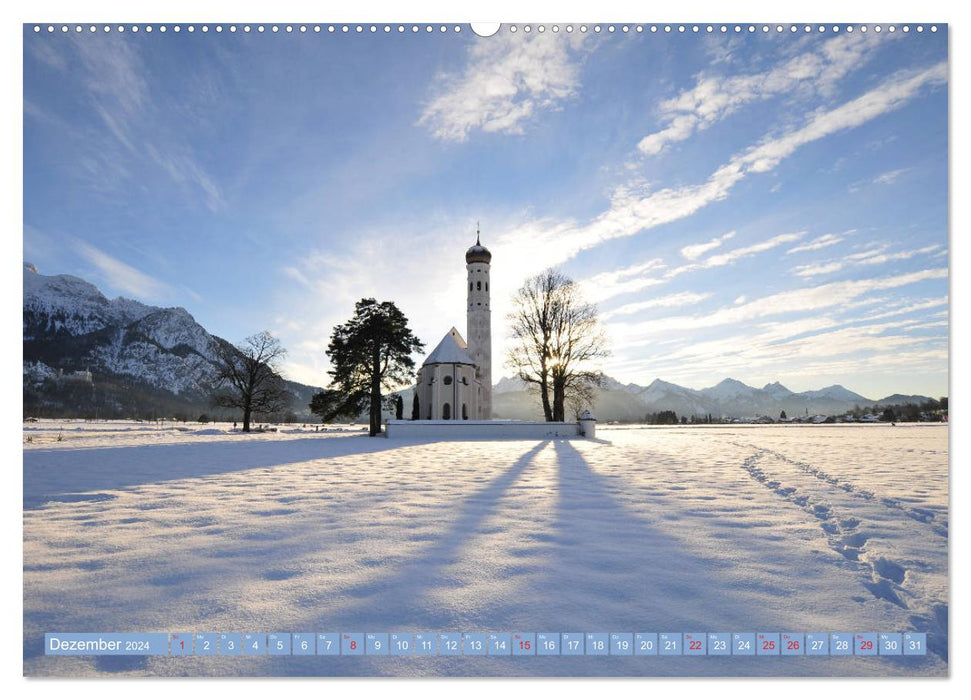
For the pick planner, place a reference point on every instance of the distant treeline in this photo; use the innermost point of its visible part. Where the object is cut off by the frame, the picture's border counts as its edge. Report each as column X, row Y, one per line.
column 932, row 411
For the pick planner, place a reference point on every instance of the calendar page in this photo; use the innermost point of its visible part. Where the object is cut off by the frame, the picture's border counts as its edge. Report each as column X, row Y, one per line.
column 525, row 349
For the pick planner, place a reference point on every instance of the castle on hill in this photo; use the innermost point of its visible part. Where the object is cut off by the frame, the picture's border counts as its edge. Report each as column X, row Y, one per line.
column 455, row 380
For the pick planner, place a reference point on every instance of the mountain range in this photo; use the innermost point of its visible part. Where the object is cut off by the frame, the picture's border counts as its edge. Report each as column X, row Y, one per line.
column 729, row 398
column 146, row 360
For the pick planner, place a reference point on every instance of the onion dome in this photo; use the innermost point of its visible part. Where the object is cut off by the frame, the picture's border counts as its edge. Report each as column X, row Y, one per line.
column 478, row 253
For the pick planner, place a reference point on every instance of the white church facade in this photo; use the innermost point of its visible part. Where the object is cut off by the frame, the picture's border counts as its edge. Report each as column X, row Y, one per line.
column 455, row 380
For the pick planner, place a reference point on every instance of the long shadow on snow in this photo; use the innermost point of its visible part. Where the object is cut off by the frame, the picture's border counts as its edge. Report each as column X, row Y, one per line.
column 62, row 474
column 403, row 601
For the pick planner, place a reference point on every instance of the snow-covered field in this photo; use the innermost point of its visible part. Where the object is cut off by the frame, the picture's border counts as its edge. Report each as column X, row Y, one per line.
column 139, row 527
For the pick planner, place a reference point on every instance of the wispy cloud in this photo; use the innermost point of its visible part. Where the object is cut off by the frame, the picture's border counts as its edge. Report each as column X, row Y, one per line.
column 802, row 300
column 714, row 97
column 872, row 256
column 671, row 300
column 818, row 243
column 508, row 80
column 632, row 211
column 693, row 252
column 814, row 270
column 122, row 276
column 119, row 94
column 889, row 177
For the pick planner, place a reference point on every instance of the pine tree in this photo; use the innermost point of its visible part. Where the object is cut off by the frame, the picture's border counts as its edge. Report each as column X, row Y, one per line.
column 370, row 353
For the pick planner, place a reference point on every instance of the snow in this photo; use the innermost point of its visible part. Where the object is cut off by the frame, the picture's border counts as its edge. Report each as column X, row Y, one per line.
column 146, row 527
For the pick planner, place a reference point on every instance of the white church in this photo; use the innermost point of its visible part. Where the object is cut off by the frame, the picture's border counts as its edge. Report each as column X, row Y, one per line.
column 454, row 388
column 455, row 381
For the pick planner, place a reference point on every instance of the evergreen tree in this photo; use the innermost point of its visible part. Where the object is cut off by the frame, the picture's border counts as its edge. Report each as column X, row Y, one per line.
column 370, row 353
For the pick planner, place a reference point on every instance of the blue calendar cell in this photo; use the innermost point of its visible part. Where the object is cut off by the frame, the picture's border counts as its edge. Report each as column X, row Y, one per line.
column 376, row 644
column 719, row 644
column 474, row 644
column 767, row 644
column 401, row 643
column 424, row 644
column 645, row 644
column 817, row 644
column 840, row 644
column 254, row 643
column 669, row 643
column 621, row 644
column 450, row 644
column 500, row 644
column 304, row 643
column 695, row 644
column 915, row 643
column 865, row 643
column 793, row 644
column 572, row 644
column 598, row 644
column 278, row 643
column 548, row 644
column 743, row 644
column 891, row 644
column 207, row 643
column 230, row 644
column 329, row 643
column 523, row 644
column 352, row 644
column 180, row 644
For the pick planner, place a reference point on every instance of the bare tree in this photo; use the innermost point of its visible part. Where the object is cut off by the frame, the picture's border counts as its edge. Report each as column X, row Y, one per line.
column 249, row 377
column 581, row 395
column 556, row 335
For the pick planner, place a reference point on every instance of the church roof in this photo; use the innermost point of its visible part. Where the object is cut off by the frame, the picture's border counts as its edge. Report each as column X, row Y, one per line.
column 451, row 351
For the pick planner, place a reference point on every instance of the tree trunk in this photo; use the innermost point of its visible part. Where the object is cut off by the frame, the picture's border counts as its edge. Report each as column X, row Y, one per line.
column 246, row 416
column 559, row 399
column 545, row 395
column 375, row 391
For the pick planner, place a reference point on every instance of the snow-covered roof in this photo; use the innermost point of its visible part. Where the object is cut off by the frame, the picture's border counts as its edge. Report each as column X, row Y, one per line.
column 451, row 351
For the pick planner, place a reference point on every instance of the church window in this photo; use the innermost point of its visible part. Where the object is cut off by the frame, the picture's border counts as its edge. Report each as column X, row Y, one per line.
column 465, row 412
column 447, row 381
column 446, row 412
column 470, row 286
column 478, row 285
column 487, row 286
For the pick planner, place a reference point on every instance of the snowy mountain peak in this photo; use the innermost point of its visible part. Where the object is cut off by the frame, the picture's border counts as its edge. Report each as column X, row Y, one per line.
column 776, row 390
column 836, row 392
column 729, row 387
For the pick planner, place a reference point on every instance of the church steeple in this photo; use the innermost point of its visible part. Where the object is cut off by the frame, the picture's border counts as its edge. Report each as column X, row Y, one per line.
column 478, row 261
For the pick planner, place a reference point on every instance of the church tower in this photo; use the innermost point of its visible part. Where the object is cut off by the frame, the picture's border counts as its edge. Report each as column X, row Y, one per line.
column 479, row 328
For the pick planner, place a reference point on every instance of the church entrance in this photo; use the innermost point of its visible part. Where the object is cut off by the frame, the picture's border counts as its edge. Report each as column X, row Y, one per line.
column 447, row 412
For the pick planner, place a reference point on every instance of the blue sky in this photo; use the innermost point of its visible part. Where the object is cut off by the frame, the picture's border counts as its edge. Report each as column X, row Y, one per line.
column 766, row 207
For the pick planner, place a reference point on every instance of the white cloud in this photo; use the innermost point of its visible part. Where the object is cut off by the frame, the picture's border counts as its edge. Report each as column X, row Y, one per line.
column 508, row 79
column 693, row 252
column 122, row 276
column 814, row 270
column 804, row 300
column 678, row 299
column 714, row 97
column 633, row 210
column 890, row 177
column 818, row 243
column 731, row 256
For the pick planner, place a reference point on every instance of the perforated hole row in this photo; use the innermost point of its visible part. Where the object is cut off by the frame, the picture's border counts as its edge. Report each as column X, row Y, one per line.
column 512, row 28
